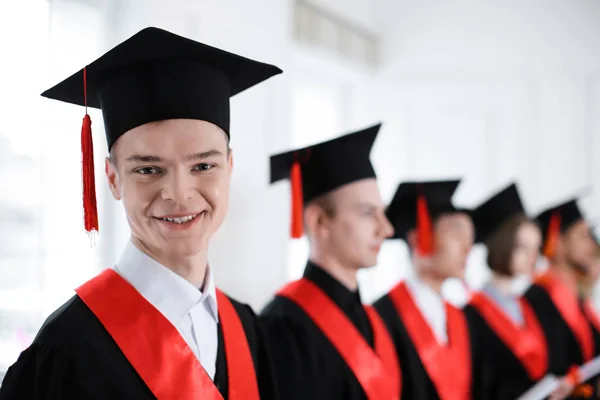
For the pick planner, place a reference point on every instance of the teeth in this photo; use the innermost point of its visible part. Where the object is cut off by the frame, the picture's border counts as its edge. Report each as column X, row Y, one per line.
column 180, row 220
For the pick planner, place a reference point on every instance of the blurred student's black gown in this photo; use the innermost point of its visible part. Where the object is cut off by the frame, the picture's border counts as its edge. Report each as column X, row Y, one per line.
column 74, row 357
column 565, row 349
column 307, row 364
column 416, row 382
column 515, row 357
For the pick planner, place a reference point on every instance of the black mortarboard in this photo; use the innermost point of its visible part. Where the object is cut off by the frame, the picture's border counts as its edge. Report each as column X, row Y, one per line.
column 490, row 215
column 154, row 75
column 157, row 75
column 558, row 219
column 324, row 167
column 403, row 210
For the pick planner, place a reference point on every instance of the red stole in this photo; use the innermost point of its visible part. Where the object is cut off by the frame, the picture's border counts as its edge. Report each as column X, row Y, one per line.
column 448, row 366
column 527, row 342
column 567, row 304
column 377, row 371
column 160, row 355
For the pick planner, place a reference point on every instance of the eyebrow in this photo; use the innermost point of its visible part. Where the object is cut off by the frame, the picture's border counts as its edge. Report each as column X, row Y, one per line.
column 154, row 159
column 366, row 206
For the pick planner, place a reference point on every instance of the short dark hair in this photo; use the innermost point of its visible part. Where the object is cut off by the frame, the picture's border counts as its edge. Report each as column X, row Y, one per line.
column 502, row 242
column 326, row 202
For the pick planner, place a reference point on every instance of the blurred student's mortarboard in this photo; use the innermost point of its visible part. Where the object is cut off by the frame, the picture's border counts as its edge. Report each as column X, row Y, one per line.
column 496, row 210
column 556, row 220
column 321, row 168
column 416, row 204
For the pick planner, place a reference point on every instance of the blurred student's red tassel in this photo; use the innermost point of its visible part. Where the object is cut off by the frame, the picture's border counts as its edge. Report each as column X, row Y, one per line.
column 90, row 210
column 297, row 201
column 424, row 228
column 553, row 235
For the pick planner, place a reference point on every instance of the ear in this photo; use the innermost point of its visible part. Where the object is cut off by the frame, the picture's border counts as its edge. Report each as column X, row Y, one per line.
column 113, row 178
column 315, row 220
column 411, row 239
column 230, row 161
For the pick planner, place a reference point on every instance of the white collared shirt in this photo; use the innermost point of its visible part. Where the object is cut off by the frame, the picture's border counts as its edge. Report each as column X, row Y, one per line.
column 431, row 305
column 193, row 312
column 509, row 303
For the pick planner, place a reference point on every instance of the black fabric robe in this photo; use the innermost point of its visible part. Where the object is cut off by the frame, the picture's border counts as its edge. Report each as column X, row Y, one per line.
column 74, row 357
column 416, row 383
column 500, row 373
column 564, row 350
column 307, row 364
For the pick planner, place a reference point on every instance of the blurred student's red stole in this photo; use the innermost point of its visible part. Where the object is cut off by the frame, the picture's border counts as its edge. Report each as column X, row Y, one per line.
column 161, row 356
column 377, row 371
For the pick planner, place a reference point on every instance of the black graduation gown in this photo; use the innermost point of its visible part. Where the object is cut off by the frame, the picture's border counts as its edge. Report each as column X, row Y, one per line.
column 307, row 364
column 563, row 349
column 74, row 357
column 416, row 383
column 500, row 373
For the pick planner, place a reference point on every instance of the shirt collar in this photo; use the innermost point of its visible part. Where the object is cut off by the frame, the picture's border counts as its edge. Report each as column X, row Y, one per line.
column 339, row 293
column 171, row 294
column 432, row 306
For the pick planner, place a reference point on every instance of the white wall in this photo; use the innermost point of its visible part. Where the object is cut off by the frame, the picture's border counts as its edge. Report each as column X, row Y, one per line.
column 492, row 91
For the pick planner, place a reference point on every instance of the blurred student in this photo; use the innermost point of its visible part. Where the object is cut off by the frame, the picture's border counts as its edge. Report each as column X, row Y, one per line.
column 569, row 323
column 431, row 337
column 514, row 352
column 334, row 347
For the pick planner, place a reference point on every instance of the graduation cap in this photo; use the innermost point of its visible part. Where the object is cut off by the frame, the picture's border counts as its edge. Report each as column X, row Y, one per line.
column 155, row 75
column 556, row 220
column 416, row 204
column 490, row 215
column 321, row 168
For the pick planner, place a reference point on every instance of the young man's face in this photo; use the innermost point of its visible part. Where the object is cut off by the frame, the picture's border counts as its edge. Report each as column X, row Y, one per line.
column 578, row 245
column 173, row 178
column 453, row 239
column 358, row 226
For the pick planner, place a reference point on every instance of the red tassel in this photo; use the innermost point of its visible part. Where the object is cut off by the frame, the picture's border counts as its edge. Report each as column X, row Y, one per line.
column 297, row 201
column 90, row 211
column 553, row 235
column 424, row 228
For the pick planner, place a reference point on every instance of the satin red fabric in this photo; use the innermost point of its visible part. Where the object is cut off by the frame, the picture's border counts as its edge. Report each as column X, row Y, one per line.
column 526, row 342
column 448, row 366
column 377, row 371
column 158, row 352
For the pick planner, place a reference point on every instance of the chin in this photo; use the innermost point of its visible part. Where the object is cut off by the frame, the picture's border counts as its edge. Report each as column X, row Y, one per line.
column 367, row 263
column 185, row 246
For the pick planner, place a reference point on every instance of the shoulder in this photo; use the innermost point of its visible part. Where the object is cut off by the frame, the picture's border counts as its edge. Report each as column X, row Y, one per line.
column 68, row 323
column 471, row 313
column 537, row 295
column 281, row 306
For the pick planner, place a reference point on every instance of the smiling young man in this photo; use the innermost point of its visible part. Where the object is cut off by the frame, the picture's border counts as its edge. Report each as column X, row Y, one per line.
column 155, row 326
column 431, row 336
column 333, row 347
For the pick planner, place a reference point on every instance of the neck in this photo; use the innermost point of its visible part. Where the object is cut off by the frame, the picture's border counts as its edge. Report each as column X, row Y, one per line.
column 566, row 274
column 430, row 279
column 191, row 268
column 502, row 283
column 343, row 274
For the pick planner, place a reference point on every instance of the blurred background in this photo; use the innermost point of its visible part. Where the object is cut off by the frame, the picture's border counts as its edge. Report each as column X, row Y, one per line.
column 485, row 90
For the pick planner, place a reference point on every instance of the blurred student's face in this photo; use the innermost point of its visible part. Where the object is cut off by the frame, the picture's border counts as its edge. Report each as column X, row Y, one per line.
column 173, row 179
column 528, row 241
column 354, row 230
column 453, row 240
column 577, row 246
